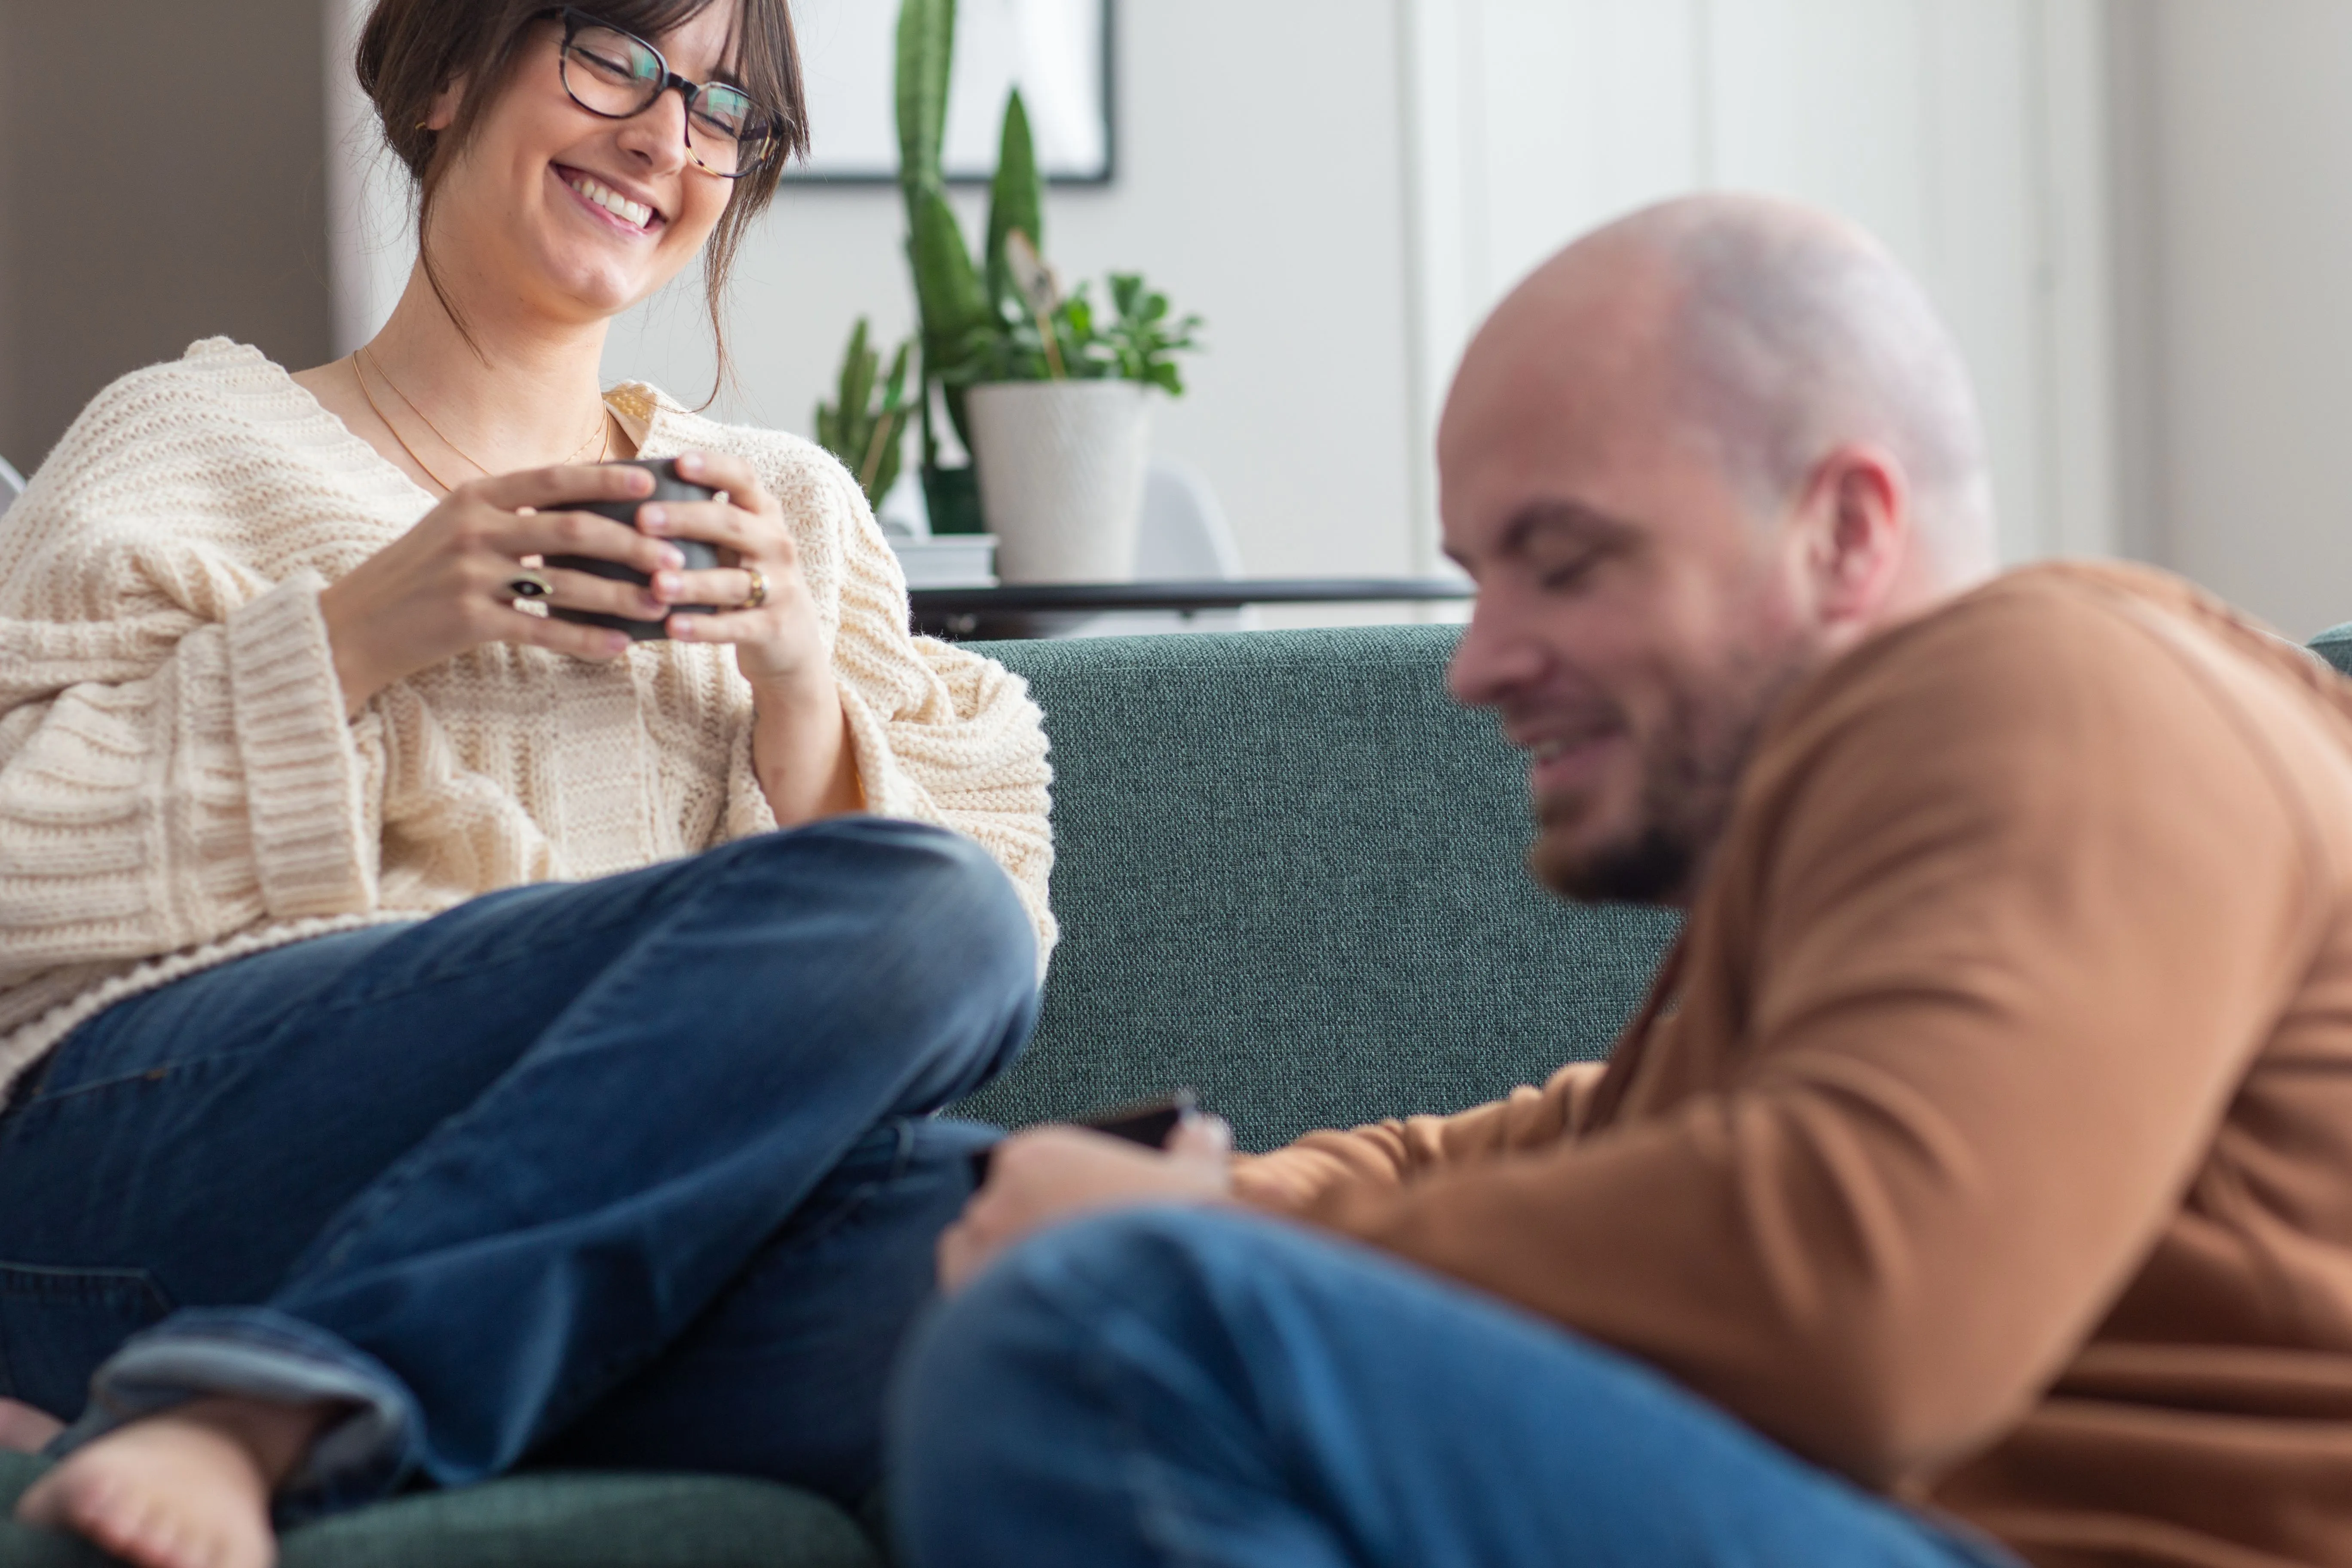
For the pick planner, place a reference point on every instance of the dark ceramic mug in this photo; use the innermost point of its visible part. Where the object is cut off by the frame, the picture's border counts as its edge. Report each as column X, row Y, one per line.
column 700, row 557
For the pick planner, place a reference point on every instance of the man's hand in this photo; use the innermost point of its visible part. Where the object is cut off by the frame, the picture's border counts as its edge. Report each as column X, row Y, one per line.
column 1053, row 1173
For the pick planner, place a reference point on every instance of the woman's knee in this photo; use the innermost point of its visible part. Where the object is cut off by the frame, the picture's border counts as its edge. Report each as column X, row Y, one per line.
column 935, row 892
column 921, row 925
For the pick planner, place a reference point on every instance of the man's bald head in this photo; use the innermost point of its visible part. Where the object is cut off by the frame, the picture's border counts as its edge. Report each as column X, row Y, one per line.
column 1778, row 333
column 1693, row 458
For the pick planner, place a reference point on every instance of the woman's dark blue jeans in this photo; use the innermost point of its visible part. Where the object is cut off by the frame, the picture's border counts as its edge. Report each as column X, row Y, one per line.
column 634, row 1171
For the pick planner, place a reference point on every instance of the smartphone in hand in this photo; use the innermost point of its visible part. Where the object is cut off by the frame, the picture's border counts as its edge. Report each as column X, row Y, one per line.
column 1149, row 1123
column 1152, row 1124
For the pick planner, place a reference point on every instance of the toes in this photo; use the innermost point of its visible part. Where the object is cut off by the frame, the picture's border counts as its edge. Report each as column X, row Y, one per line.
column 148, row 1537
column 158, row 1496
column 121, row 1524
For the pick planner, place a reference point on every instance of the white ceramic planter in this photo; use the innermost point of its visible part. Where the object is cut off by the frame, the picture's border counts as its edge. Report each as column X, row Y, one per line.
column 1061, row 467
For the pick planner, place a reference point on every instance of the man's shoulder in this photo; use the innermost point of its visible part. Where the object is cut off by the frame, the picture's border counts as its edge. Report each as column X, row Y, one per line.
column 2041, row 638
column 2054, row 686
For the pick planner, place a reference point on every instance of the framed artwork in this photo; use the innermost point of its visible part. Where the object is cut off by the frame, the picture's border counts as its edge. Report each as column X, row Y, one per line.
column 1058, row 52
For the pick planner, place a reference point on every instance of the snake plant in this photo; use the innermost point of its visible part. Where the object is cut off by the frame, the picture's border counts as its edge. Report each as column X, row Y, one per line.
column 994, row 319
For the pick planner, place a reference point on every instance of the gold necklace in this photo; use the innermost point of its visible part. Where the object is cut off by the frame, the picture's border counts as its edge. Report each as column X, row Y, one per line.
column 445, row 486
column 603, row 429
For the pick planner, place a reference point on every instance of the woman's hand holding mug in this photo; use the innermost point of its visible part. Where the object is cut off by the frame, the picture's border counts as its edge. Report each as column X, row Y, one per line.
column 764, row 607
column 449, row 585
column 800, row 740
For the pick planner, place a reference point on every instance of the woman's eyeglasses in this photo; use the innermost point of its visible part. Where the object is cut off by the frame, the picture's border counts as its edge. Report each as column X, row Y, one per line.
column 616, row 75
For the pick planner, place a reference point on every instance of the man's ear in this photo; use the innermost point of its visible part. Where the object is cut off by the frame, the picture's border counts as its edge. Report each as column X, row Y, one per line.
column 1857, row 519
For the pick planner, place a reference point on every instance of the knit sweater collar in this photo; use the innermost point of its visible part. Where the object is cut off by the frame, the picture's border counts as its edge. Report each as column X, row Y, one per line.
column 651, row 416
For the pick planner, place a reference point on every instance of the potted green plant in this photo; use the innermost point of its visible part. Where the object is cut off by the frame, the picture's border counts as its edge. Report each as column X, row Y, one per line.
column 866, row 427
column 1048, row 395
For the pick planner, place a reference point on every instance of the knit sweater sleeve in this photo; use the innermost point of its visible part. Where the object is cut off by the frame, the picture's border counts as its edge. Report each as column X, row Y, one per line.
column 941, row 735
column 175, row 764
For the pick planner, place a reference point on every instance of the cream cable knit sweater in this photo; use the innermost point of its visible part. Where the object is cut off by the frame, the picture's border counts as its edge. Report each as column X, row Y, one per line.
column 179, row 784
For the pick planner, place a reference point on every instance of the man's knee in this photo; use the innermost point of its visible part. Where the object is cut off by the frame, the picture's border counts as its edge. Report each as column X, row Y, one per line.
column 1175, row 1268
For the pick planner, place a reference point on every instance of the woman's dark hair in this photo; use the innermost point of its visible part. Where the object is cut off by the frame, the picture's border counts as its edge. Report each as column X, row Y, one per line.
column 410, row 50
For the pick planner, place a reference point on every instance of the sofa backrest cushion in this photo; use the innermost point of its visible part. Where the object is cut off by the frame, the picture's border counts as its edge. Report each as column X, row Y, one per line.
column 1290, row 873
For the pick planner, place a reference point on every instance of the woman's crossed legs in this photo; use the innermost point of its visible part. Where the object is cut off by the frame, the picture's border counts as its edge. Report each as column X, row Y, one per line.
column 418, row 1200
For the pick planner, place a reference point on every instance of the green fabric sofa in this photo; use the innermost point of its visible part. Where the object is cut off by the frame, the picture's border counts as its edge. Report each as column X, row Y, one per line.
column 1290, row 876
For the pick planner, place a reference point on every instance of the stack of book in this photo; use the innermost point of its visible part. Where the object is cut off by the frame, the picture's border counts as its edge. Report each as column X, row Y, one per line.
column 947, row 560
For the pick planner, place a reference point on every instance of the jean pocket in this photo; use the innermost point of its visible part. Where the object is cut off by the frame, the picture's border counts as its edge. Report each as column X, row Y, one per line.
column 58, row 1324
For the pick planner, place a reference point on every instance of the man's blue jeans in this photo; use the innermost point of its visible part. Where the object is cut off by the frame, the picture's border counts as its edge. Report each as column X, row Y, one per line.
column 634, row 1171
column 1220, row 1390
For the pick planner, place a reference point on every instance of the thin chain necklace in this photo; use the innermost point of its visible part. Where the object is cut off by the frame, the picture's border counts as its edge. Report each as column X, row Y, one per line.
column 445, row 486
column 603, row 431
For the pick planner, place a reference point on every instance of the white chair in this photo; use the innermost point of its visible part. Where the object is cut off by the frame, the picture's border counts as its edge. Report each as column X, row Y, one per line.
column 12, row 484
column 1182, row 537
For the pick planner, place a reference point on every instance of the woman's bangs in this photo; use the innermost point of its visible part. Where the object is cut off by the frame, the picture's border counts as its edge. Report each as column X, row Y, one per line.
column 761, row 57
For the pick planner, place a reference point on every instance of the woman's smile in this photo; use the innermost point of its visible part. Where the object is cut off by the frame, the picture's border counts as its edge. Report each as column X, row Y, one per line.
column 629, row 214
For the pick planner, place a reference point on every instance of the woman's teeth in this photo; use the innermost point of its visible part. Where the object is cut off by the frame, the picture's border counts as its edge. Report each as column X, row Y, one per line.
column 612, row 201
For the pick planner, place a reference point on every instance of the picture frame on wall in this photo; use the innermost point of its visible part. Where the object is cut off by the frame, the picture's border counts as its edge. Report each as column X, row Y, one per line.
column 1058, row 52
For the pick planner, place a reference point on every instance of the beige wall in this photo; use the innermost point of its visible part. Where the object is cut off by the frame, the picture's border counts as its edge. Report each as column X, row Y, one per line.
column 2236, row 196
column 188, row 201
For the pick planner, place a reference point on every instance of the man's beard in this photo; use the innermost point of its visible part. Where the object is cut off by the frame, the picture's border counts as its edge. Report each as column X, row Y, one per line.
column 1690, row 776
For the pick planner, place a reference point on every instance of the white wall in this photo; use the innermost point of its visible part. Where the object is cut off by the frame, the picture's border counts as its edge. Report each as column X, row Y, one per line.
column 1259, row 143
column 1344, row 187
column 1969, row 134
column 2241, row 245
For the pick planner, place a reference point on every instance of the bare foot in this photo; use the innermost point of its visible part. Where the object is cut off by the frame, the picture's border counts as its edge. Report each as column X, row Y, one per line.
column 187, row 1487
column 24, row 1430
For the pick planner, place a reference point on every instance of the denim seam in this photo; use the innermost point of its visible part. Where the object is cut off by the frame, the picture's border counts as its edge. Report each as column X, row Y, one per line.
column 151, row 1292
column 472, row 967
column 600, row 1380
column 46, row 1096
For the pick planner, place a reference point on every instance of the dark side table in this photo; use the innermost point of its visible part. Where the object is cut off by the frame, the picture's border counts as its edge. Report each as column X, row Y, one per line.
column 1043, row 609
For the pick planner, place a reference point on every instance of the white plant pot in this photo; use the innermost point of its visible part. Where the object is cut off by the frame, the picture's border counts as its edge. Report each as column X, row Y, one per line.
column 1061, row 467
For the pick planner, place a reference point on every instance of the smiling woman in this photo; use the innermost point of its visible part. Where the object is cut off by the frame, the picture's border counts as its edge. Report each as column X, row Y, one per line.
column 433, row 1031
column 411, row 53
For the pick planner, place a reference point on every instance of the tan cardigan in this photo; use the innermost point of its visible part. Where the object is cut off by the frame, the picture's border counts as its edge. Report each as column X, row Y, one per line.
column 1988, row 1137
column 179, row 784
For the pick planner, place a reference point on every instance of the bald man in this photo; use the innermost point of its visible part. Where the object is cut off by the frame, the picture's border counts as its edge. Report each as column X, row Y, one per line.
column 1976, row 1184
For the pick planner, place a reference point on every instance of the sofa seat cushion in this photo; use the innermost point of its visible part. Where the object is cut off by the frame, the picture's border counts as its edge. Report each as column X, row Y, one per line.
column 549, row 1520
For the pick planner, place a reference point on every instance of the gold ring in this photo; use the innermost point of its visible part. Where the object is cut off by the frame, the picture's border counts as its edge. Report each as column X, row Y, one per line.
column 759, row 593
column 530, row 584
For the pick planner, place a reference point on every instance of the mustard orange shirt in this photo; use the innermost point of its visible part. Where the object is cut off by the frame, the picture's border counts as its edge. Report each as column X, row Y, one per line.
column 1987, row 1138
